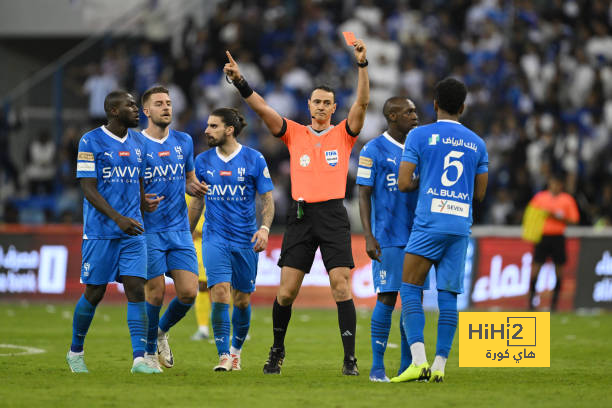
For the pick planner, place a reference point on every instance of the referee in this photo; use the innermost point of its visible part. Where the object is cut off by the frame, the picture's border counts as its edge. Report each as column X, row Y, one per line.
column 319, row 157
column 562, row 210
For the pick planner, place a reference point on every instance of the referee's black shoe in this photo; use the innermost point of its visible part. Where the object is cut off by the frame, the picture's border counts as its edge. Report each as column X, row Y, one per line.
column 275, row 361
column 350, row 366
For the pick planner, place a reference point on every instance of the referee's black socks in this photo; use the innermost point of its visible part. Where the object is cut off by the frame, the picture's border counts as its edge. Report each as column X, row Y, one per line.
column 347, row 321
column 280, row 320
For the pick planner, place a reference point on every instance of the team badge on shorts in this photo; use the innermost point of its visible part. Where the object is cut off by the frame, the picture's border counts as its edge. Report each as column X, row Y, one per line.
column 331, row 156
column 304, row 160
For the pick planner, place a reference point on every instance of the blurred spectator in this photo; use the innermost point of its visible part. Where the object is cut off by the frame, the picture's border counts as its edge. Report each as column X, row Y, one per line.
column 97, row 85
column 41, row 168
column 146, row 66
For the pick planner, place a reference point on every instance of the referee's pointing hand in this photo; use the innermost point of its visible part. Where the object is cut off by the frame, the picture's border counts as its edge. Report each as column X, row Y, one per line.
column 231, row 68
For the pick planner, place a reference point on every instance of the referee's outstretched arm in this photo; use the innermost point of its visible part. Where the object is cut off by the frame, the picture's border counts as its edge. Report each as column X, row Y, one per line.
column 271, row 118
column 357, row 113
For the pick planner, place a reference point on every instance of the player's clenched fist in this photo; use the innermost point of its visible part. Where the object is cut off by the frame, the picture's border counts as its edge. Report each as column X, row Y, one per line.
column 231, row 68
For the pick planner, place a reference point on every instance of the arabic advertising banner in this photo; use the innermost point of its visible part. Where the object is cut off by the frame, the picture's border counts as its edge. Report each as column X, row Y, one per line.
column 504, row 274
column 595, row 284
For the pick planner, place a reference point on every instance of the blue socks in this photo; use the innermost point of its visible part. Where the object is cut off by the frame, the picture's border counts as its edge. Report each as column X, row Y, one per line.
column 447, row 322
column 221, row 326
column 379, row 333
column 406, row 354
column 153, row 315
column 138, row 325
column 83, row 315
column 412, row 312
column 241, row 321
column 175, row 312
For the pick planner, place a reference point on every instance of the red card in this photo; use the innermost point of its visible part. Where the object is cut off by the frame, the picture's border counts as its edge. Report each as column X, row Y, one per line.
column 349, row 36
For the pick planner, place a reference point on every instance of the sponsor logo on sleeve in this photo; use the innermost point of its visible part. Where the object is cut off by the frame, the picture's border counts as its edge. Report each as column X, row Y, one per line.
column 364, row 173
column 86, row 156
column 266, row 173
column 81, row 166
column 365, row 161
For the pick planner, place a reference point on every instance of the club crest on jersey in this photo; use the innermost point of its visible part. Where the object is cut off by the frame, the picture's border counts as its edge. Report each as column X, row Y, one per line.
column 241, row 173
column 124, row 154
column 331, row 157
column 139, row 154
column 225, row 173
column 179, row 152
column 304, row 160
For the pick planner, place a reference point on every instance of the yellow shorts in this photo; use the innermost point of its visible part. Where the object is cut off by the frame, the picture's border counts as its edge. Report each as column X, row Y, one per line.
column 201, row 270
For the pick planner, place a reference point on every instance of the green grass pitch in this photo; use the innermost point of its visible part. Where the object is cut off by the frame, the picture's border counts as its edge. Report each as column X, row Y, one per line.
column 579, row 374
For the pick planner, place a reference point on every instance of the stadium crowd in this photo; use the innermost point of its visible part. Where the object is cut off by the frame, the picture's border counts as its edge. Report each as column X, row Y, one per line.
column 539, row 77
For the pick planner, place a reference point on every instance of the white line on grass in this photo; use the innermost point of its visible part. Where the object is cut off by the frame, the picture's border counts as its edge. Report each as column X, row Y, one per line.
column 25, row 350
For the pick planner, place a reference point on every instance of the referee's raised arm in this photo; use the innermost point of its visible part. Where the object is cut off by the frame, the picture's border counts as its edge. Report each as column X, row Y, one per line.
column 271, row 118
column 356, row 115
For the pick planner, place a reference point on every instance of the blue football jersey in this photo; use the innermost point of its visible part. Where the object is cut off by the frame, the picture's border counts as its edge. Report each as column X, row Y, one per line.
column 118, row 164
column 230, row 202
column 448, row 157
column 167, row 161
column 392, row 210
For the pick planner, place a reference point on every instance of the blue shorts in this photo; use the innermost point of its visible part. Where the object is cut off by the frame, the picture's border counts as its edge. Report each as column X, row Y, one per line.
column 225, row 263
column 106, row 260
column 168, row 251
column 387, row 274
column 447, row 252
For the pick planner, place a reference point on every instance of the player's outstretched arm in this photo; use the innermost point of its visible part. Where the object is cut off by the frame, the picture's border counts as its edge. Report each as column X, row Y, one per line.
column 267, row 215
column 406, row 180
column 356, row 115
column 365, row 210
column 130, row 226
column 271, row 118
column 480, row 186
column 194, row 212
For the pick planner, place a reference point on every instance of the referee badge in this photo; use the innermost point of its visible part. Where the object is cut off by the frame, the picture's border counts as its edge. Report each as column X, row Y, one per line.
column 331, row 156
column 304, row 160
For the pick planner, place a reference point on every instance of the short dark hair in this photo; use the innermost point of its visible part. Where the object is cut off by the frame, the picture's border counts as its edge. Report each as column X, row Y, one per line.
column 231, row 117
column 326, row 89
column 153, row 90
column 112, row 100
column 391, row 104
column 450, row 95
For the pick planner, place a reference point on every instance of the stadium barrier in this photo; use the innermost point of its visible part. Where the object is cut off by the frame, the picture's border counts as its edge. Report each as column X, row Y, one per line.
column 44, row 262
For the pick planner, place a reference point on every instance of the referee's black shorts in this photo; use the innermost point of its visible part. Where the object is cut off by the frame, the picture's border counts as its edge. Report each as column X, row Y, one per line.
column 325, row 225
column 552, row 246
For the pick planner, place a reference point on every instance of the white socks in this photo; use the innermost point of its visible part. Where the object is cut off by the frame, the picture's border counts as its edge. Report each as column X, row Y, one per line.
column 72, row 353
column 439, row 364
column 418, row 353
column 235, row 351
